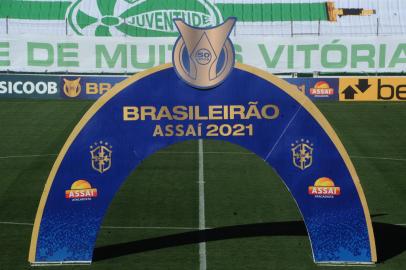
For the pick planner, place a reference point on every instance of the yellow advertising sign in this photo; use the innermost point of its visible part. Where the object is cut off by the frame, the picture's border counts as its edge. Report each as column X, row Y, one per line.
column 372, row 89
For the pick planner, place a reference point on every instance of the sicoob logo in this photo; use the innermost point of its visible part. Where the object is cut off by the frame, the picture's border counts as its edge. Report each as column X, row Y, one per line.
column 324, row 187
column 204, row 57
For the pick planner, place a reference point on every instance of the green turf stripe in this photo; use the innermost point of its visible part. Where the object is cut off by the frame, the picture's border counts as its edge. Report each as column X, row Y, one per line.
column 44, row 10
column 275, row 12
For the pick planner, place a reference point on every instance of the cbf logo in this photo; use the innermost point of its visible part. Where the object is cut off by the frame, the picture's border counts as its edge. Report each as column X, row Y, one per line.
column 302, row 154
column 140, row 17
column 101, row 156
column 203, row 57
column 72, row 88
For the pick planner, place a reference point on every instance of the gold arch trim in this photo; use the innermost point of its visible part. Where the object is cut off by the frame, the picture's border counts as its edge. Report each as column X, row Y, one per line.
column 283, row 85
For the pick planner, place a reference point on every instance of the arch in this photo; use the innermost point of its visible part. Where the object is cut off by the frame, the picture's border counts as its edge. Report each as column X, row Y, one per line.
column 265, row 114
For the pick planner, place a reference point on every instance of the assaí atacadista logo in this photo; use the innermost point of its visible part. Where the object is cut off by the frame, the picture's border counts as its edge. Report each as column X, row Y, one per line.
column 140, row 17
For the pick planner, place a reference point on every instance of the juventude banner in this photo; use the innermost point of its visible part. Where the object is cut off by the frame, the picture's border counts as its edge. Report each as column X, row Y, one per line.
column 274, row 54
column 154, row 18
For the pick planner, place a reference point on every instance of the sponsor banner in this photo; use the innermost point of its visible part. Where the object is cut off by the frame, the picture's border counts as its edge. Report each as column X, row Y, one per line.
column 373, row 89
column 29, row 86
column 274, row 54
column 317, row 88
column 56, row 86
column 324, row 188
column 93, row 87
column 87, row 87
column 81, row 190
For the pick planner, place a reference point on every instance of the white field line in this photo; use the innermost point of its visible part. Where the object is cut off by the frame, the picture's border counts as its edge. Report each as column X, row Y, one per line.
column 210, row 153
column 28, row 156
column 251, row 154
column 202, row 217
column 149, row 228
column 16, row 223
column 129, row 227
column 379, row 158
column 213, row 152
column 111, row 227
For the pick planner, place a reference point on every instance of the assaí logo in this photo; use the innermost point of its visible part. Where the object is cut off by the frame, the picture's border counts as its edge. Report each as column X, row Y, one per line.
column 140, row 17
column 81, row 190
column 324, row 187
column 321, row 89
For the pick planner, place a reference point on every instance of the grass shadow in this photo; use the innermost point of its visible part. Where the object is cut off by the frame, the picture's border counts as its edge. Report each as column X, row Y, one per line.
column 390, row 239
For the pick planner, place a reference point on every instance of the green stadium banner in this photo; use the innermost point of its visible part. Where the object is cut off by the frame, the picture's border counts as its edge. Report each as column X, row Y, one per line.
column 153, row 18
column 76, row 54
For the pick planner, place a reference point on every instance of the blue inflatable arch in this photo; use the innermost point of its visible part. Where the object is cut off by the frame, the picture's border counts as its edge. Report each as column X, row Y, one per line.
column 154, row 109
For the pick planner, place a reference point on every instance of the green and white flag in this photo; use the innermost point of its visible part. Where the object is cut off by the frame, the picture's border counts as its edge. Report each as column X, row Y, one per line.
column 153, row 18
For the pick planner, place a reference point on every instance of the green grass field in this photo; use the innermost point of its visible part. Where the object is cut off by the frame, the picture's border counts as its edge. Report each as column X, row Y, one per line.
column 153, row 221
